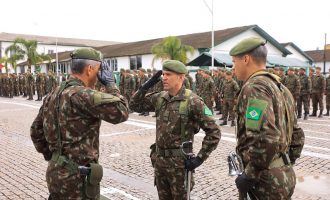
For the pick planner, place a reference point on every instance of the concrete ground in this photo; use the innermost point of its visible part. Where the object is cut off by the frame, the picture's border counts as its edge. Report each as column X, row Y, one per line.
column 125, row 157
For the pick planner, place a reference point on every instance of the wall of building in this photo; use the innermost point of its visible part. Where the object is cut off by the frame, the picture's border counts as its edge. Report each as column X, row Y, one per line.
column 296, row 54
column 321, row 64
column 230, row 43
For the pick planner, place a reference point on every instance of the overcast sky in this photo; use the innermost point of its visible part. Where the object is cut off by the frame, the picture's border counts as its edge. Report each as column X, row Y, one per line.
column 303, row 22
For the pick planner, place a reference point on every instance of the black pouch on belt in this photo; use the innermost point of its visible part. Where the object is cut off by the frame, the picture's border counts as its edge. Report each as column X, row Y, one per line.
column 92, row 186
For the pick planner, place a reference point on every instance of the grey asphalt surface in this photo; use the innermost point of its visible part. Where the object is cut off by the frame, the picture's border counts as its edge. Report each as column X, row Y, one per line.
column 125, row 157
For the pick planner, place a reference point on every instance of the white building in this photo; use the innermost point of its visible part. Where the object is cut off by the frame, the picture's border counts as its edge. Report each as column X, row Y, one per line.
column 318, row 57
column 47, row 45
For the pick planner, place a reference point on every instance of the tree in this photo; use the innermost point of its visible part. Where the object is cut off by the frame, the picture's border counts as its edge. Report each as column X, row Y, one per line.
column 16, row 55
column 29, row 49
column 171, row 48
column 4, row 61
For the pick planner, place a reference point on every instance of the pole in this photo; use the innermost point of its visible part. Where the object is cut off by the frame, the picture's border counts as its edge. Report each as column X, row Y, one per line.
column 212, row 39
column 324, row 52
column 56, row 59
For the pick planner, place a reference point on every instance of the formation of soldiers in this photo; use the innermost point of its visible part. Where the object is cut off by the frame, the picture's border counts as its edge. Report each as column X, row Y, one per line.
column 27, row 84
column 219, row 88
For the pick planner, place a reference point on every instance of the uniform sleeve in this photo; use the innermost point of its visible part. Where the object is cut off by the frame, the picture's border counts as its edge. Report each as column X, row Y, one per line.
column 297, row 142
column 309, row 87
column 140, row 102
column 101, row 105
column 203, row 115
column 261, row 132
column 38, row 136
column 298, row 86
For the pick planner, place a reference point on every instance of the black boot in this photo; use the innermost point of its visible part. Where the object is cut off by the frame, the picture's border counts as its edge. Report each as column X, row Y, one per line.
column 321, row 114
column 327, row 114
column 313, row 114
column 233, row 123
column 142, row 113
column 223, row 123
column 146, row 114
column 306, row 117
column 299, row 115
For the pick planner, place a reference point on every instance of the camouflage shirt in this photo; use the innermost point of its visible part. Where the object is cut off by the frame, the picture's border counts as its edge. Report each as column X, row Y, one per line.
column 81, row 110
column 264, row 124
column 306, row 84
column 318, row 84
column 230, row 89
column 293, row 84
column 168, row 122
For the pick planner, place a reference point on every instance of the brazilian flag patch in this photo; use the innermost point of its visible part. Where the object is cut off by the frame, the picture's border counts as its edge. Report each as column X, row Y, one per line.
column 207, row 111
column 253, row 113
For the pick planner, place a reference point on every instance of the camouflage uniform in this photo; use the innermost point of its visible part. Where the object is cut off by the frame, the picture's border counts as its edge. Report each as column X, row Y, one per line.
column 129, row 85
column 263, row 125
column 166, row 154
column 78, row 120
column 293, row 84
column 306, row 88
column 40, row 82
column 52, row 83
column 207, row 91
column 29, row 85
column 229, row 93
column 317, row 93
column 327, row 92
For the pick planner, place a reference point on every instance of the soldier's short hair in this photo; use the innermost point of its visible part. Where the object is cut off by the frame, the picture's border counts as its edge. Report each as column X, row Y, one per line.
column 259, row 54
column 78, row 65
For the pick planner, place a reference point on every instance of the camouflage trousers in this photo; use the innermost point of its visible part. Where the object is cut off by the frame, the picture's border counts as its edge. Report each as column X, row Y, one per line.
column 303, row 100
column 317, row 100
column 328, row 100
column 64, row 185
column 170, row 183
column 274, row 184
column 208, row 100
column 228, row 108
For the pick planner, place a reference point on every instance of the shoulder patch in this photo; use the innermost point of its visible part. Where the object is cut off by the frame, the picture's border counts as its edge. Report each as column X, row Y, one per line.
column 102, row 98
column 207, row 111
column 254, row 113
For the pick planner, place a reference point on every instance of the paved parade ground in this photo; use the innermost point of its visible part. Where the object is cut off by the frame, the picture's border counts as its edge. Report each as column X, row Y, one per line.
column 124, row 154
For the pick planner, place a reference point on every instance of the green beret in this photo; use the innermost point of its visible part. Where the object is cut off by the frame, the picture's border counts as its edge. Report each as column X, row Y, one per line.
column 87, row 53
column 175, row 66
column 229, row 73
column 246, row 45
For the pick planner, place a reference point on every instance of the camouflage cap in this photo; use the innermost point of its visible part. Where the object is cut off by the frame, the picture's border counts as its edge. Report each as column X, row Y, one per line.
column 229, row 73
column 175, row 66
column 87, row 53
column 291, row 69
column 142, row 70
column 246, row 45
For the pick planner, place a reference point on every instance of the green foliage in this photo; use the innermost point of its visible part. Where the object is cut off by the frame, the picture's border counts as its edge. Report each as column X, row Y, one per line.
column 171, row 48
column 4, row 61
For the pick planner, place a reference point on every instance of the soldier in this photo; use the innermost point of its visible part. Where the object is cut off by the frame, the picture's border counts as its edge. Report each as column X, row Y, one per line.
column 121, row 80
column 207, row 89
column 311, row 76
column 149, row 73
column 29, row 84
column 327, row 93
column 282, row 75
column 190, row 80
column 318, row 83
column 66, row 130
column 143, row 78
column 52, row 83
column 306, row 88
column 222, row 80
column 129, row 85
column 39, row 85
column 229, row 93
column 269, row 139
column 180, row 113
column 277, row 71
column 293, row 84
column 199, row 80
column 271, row 70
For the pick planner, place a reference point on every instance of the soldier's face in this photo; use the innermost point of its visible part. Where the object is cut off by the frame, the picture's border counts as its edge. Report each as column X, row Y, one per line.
column 239, row 63
column 171, row 80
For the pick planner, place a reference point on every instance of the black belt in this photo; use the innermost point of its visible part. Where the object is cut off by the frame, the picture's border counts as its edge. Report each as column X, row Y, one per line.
column 172, row 152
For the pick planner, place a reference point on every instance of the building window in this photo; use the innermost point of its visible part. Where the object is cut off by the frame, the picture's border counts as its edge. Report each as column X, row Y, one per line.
column 50, row 51
column 135, row 62
column 112, row 63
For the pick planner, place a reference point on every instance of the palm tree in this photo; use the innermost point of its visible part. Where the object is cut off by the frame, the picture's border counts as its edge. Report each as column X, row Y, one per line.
column 16, row 55
column 4, row 61
column 171, row 48
column 29, row 49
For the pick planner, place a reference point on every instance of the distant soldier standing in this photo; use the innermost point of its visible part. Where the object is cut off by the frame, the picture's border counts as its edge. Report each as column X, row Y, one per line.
column 29, row 84
column 143, row 78
column 293, row 84
column 39, row 86
column 318, row 84
column 180, row 114
column 269, row 139
column 229, row 93
column 306, row 88
column 327, row 93
column 66, row 130
column 282, row 75
column 207, row 89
